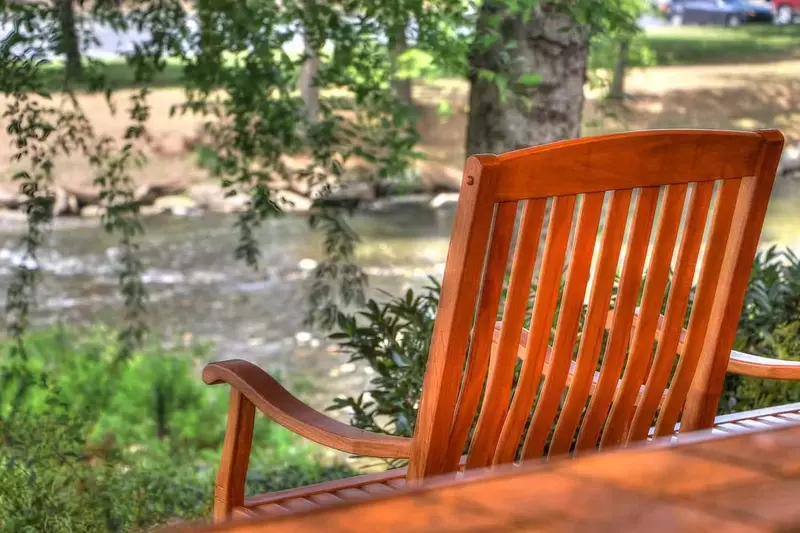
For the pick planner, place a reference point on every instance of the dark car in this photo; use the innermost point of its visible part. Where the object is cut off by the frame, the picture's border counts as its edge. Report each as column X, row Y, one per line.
column 728, row 12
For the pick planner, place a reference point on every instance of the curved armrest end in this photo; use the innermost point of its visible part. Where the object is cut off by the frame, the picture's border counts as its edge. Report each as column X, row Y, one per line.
column 272, row 399
column 755, row 366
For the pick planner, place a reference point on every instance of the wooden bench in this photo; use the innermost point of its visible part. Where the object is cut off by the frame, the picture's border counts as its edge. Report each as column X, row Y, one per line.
column 707, row 187
column 748, row 482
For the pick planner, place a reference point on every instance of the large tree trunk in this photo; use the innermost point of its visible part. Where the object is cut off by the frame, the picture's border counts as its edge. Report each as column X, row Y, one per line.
column 70, row 46
column 549, row 45
column 617, row 89
column 398, row 44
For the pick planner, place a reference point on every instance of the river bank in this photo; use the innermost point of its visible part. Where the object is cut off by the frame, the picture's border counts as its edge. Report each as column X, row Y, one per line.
column 438, row 188
column 174, row 180
column 184, row 200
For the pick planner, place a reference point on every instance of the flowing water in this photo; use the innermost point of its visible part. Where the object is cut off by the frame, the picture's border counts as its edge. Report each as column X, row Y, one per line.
column 200, row 293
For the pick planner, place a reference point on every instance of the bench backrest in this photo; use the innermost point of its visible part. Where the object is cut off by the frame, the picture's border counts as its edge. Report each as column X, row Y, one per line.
column 689, row 191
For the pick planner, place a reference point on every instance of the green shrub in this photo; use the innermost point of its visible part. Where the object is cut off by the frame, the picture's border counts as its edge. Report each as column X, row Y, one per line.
column 393, row 339
column 54, row 481
column 751, row 393
column 772, row 300
column 768, row 327
column 156, row 395
column 98, row 445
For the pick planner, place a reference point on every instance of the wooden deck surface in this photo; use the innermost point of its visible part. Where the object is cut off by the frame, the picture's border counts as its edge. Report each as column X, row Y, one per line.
column 743, row 483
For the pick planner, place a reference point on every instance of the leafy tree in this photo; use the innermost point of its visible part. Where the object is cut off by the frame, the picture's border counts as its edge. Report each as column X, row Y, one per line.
column 239, row 76
column 621, row 37
column 69, row 38
column 527, row 69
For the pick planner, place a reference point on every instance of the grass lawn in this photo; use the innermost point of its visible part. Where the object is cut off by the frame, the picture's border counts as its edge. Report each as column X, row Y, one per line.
column 704, row 45
column 117, row 73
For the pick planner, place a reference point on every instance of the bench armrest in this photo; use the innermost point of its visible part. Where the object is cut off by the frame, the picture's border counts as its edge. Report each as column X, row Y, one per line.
column 272, row 399
column 755, row 366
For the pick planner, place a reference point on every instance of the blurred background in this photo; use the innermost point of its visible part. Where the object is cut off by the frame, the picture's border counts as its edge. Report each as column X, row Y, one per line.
column 182, row 182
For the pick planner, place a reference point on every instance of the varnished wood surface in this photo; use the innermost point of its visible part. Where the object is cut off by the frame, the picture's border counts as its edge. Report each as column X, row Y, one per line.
column 726, row 177
column 563, row 188
column 763, row 367
column 280, row 405
column 625, row 160
column 748, row 482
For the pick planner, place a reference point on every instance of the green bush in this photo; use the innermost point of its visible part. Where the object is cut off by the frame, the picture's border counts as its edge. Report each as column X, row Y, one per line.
column 53, row 482
column 772, row 300
column 94, row 444
column 769, row 326
column 393, row 339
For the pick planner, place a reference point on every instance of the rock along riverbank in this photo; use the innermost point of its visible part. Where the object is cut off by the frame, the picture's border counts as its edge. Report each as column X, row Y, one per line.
column 435, row 185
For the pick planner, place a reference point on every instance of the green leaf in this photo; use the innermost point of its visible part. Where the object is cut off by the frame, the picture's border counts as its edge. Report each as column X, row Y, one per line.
column 530, row 79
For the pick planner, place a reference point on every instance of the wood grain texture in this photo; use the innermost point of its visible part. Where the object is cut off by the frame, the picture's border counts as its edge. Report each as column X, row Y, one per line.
column 619, row 336
column 482, row 332
column 746, row 364
column 626, row 161
column 454, row 317
column 748, row 219
column 229, row 487
column 701, row 307
column 567, row 328
column 592, row 335
column 501, row 371
column 702, row 486
column 544, row 307
column 521, row 348
column 678, row 300
column 619, row 419
column 395, row 478
column 272, row 399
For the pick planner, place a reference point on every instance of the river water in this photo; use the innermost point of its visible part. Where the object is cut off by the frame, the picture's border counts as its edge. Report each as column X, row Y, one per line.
column 200, row 293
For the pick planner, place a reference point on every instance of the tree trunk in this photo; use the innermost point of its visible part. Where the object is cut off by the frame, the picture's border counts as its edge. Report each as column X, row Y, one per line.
column 308, row 91
column 550, row 45
column 618, row 82
column 70, row 46
column 398, row 45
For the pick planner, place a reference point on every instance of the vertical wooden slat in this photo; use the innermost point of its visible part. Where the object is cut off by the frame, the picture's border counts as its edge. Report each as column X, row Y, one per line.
column 676, row 310
column 592, row 334
column 482, row 330
column 751, row 207
column 454, row 317
column 701, row 307
column 644, row 335
column 501, row 368
column 620, row 333
column 230, row 483
column 568, row 320
column 541, row 322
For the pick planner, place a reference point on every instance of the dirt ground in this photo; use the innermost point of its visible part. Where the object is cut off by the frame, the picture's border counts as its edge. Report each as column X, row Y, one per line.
column 736, row 97
column 753, row 96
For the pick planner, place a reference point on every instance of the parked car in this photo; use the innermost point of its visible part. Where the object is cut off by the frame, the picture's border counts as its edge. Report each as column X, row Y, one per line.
column 729, row 12
column 786, row 11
